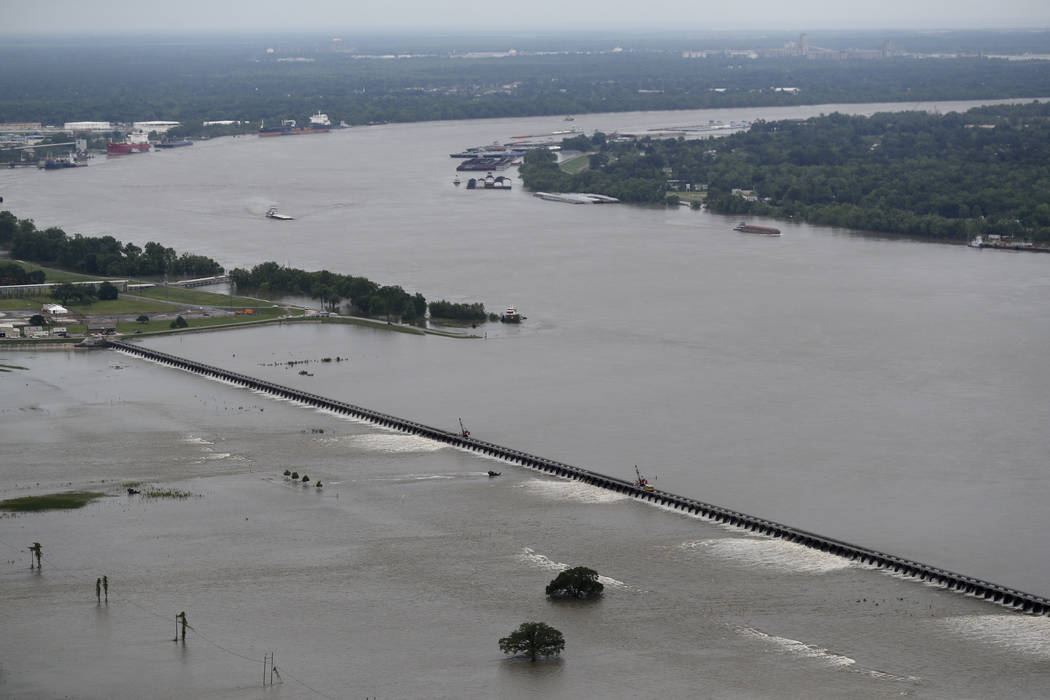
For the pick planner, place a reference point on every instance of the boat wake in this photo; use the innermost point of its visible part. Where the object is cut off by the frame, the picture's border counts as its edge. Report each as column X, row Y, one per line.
column 1024, row 634
column 570, row 491
column 772, row 553
column 529, row 557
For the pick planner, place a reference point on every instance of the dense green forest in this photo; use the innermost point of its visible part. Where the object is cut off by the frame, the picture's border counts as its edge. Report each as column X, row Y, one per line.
column 97, row 255
column 949, row 176
column 268, row 78
column 365, row 296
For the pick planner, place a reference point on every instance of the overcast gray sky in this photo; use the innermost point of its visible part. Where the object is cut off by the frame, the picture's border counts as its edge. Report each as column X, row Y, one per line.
column 23, row 16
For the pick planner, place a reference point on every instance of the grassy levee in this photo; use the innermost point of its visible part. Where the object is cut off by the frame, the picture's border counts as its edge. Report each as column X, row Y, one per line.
column 52, row 501
column 371, row 322
column 26, row 343
column 194, row 297
column 577, row 164
column 55, row 275
column 261, row 316
column 121, row 305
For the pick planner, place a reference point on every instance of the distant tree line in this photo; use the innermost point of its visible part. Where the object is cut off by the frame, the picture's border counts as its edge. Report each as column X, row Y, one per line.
column 97, row 255
column 231, row 80
column 935, row 176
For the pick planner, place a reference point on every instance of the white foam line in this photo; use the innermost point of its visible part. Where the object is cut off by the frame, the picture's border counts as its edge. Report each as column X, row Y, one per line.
column 196, row 440
column 394, row 442
column 570, row 490
column 541, row 561
column 803, row 650
column 770, row 552
column 1025, row 634
column 797, row 648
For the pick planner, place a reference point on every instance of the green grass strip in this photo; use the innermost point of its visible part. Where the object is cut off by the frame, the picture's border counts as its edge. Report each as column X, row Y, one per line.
column 51, row 501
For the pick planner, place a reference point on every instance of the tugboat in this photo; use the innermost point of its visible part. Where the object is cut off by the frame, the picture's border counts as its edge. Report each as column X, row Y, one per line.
column 642, row 484
column 272, row 213
column 511, row 315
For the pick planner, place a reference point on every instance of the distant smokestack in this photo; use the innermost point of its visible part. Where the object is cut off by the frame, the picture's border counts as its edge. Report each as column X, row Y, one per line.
column 803, row 44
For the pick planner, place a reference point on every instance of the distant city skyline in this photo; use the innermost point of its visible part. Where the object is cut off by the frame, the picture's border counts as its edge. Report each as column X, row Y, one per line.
column 122, row 16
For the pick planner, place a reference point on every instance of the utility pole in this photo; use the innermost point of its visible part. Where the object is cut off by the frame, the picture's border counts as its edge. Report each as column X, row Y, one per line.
column 269, row 668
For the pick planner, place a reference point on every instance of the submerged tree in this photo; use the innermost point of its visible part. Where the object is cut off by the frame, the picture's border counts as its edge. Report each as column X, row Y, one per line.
column 533, row 639
column 577, row 582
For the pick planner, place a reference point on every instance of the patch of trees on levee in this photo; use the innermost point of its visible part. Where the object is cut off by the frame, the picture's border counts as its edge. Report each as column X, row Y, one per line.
column 947, row 177
column 106, row 256
column 97, row 255
column 234, row 79
column 366, row 298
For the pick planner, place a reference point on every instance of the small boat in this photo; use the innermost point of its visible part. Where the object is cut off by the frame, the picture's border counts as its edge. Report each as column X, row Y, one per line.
column 456, row 181
column 492, row 473
column 642, row 484
column 272, row 213
column 511, row 315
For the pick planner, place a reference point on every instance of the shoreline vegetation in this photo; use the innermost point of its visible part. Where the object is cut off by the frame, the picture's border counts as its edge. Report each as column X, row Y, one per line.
column 68, row 500
column 947, row 177
column 81, row 259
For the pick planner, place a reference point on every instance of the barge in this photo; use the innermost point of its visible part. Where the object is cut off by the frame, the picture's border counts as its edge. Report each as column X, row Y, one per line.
column 744, row 227
column 1008, row 243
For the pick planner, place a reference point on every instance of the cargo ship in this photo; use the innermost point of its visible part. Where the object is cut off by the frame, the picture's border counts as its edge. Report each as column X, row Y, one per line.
column 319, row 124
column 764, row 230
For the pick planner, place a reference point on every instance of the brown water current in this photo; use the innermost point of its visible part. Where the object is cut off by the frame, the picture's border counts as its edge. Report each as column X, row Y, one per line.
column 885, row 392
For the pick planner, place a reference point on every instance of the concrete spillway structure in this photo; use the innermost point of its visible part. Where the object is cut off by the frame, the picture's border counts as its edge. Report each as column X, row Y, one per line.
column 986, row 590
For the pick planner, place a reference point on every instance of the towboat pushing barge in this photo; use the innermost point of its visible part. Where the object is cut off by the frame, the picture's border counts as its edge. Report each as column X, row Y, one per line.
column 744, row 227
column 1000, row 242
